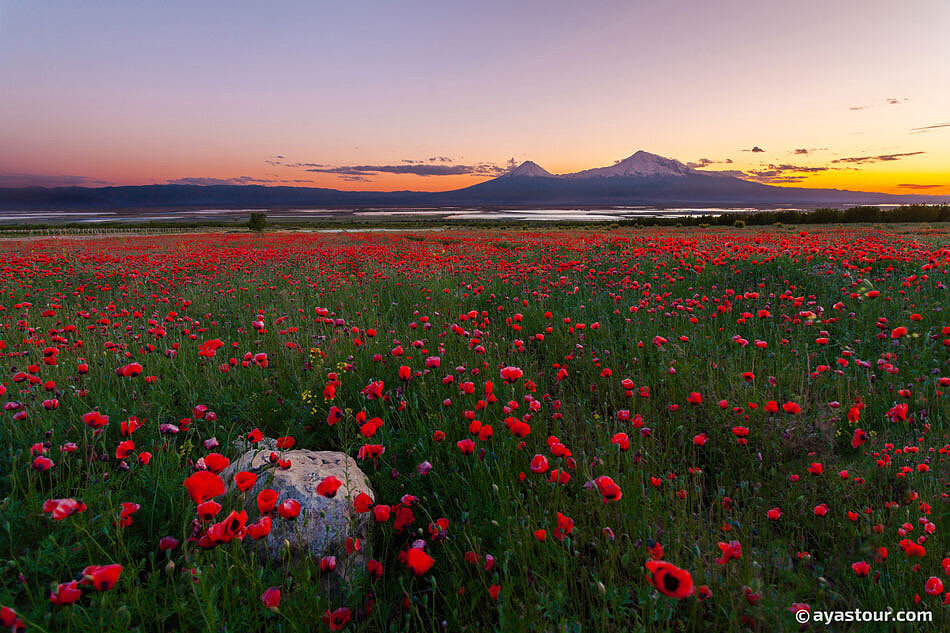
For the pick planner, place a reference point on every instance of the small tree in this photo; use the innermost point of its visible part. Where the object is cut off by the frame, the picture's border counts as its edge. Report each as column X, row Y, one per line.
column 257, row 222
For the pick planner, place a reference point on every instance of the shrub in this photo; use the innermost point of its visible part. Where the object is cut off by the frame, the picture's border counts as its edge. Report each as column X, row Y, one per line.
column 257, row 222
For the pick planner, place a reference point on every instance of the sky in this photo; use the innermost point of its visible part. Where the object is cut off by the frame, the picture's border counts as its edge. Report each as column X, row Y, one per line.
column 383, row 95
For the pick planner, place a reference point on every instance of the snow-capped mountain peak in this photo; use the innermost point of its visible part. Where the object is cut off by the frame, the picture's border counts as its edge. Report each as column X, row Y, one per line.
column 639, row 165
column 529, row 169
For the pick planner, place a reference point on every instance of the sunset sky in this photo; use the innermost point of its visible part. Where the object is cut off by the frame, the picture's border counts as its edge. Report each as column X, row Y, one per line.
column 391, row 95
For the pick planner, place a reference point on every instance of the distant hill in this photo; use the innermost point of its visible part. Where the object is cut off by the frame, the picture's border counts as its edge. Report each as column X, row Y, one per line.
column 642, row 178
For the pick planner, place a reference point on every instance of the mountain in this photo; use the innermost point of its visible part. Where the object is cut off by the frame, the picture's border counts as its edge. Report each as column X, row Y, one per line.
column 640, row 179
column 639, row 165
column 528, row 169
column 645, row 178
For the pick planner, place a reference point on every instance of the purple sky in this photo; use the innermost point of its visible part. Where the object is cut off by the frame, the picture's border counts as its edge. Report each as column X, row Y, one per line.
column 438, row 95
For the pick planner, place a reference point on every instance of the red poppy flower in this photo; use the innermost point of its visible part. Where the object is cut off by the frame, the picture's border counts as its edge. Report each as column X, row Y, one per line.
column 232, row 527
column 381, row 513
column 362, row 503
column 124, row 449
column 266, row 500
column 271, row 598
column 125, row 515
column 102, row 578
column 289, row 509
column 204, row 485
column 608, row 489
column 418, row 561
column 245, row 480
column 670, row 579
column 565, row 525
column 208, row 510
column 260, row 528
column 337, row 619
column 328, row 487
column 933, row 586
column 216, row 462
column 167, row 543
column 374, row 568
column 730, row 551
column 59, row 509
column 66, row 593
column 286, row 443
column 511, row 374
column 622, row 440
column 539, row 464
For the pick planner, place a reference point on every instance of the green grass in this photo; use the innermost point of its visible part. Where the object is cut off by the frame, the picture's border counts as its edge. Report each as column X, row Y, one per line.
column 217, row 285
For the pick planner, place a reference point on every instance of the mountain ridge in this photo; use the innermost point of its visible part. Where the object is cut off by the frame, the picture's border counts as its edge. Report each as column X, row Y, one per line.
column 641, row 178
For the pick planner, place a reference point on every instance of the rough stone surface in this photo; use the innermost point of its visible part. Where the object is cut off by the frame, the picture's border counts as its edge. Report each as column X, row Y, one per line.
column 324, row 523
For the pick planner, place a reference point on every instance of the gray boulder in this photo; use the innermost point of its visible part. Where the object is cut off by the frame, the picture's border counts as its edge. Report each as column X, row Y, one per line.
column 324, row 524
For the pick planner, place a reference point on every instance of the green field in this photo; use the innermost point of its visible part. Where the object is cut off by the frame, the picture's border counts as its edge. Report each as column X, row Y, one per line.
column 768, row 372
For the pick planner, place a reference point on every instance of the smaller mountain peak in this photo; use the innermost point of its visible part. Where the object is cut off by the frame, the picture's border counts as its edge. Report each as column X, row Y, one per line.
column 529, row 169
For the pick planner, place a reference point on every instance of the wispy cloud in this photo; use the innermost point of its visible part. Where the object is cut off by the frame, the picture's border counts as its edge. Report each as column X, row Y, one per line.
column 916, row 186
column 728, row 173
column 239, row 180
column 928, row 128
column 205, row 182
column 19, row 179
column 882, row 158
column 415, row 168
column 888, row 101
column 438, row 165
column 783, row 173
column 706, row 162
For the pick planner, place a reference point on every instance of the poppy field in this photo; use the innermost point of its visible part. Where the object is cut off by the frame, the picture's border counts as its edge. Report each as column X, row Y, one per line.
column 628, row 430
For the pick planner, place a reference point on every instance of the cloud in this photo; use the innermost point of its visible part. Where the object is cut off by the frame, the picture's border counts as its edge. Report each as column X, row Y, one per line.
column 705, row 162
column 19, row 179
column 883, row 158
column 239, row 180
column 928, row 128
column 754, row 150
column 783, row 173
column 205, row 182
column 888, row 101
column 728, row 173
column 916, row 186
column 437, row 165
column 415, row 168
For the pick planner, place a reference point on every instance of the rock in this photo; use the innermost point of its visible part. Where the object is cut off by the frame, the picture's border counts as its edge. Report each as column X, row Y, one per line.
column 324, row 524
